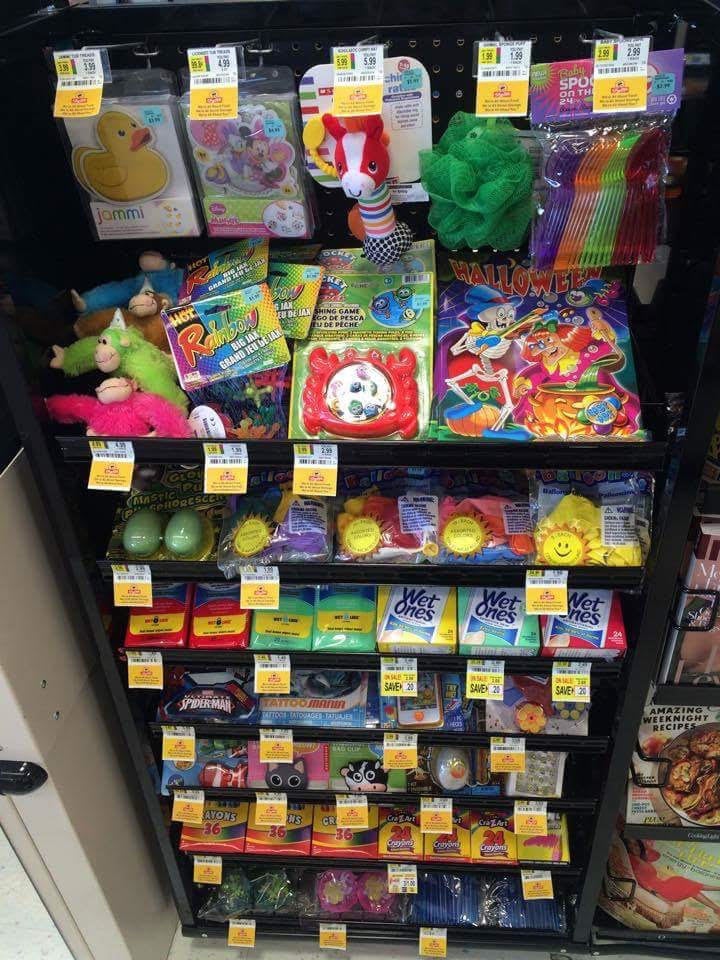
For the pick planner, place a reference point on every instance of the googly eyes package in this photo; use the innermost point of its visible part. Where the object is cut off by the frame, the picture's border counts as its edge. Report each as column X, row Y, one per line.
column 526, row 354
column 364, row 371
column 128, row 160
column 271, row 524
column 589, row 519
column 250, row 171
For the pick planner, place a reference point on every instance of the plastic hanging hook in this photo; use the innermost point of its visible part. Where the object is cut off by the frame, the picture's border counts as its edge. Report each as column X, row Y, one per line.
column 143, row 50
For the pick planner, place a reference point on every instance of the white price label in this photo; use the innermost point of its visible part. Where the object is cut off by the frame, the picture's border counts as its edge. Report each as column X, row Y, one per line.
column 402, row 878
column 145, row 670
column 485, row 679
column 398, row 677
column 259, row 588
column 503, row 78
column 272, row 673
column 111, row 467
column 570, row 682
column 132, row 585
column 226, row 468
column 80, row 79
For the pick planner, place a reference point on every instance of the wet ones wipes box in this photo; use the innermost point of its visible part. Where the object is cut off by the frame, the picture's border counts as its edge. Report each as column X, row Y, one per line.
column 493, row 622
column 417, row 619
column 593, row 627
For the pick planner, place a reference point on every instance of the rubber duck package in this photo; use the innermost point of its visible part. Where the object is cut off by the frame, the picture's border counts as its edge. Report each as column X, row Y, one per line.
column 270, row 524
column 587, row 519
column 128, row 160
column 526, row 354
column 250, row 171
column 364, row 372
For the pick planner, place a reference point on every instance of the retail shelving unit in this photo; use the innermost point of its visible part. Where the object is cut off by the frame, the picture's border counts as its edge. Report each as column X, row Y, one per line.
column 678, row 349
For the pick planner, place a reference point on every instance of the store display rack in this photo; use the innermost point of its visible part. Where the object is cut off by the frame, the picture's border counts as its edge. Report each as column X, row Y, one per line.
column 679, row 357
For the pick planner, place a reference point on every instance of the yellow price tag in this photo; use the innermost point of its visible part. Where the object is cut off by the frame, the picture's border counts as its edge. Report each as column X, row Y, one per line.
column 570, row 682
column 351, row 811
column 485, row 679
column 226, row 468
column 188, row 806
column 145, row 670
column 503, row 78
column 398, row 677
column 400, row 751
column 132, row 585
column 80, row 79
column 111, row 467
column 207, row 870
column 315, row 469
column 546, row 591
column 272, row 674
column 507, row 754
column 241, row 933
column 433, row 942
column 436, row 815
column 537, row 885
column 271, row 809
column 402, row 878
column 530, row 818
column 259, row 588
column 358, row 80
column 333, row 936
column 620, row 75
column 178, row 743
column 276, row 746
column 213, row 83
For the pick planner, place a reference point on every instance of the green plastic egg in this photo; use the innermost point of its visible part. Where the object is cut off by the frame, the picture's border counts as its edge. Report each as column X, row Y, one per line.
column 184, row 533
column 142, row 535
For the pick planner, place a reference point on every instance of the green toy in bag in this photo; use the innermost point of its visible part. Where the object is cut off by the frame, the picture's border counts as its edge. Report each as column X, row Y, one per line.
column 345, row 618
column 480, row 180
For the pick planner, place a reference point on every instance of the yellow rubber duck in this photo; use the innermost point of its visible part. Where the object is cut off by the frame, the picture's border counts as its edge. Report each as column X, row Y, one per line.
column 124, row 168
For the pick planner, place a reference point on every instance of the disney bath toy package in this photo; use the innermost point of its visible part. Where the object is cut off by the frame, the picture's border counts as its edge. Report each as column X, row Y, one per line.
column 250, row 171
column 525, row 354
column 364, row 371
column 128, row 161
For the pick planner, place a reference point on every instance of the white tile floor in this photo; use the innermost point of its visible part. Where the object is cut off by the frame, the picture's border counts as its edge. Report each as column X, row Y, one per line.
column 26, row 929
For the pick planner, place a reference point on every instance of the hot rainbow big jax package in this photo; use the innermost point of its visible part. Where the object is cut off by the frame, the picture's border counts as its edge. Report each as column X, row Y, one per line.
column 525, row 354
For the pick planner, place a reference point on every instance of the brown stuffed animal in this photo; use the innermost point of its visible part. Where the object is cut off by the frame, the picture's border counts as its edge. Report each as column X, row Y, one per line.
column 143, row 313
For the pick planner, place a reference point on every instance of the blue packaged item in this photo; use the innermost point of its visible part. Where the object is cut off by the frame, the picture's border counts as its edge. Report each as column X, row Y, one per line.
column 446, row 900
column 502, row 905
column 208, row 697
column 318, row 698
column 218, row 763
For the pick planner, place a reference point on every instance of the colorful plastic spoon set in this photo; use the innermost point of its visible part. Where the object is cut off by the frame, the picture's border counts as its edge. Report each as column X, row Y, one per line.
column 602, row 203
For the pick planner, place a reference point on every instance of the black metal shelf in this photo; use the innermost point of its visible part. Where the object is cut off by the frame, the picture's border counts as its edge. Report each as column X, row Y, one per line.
column 608, row 455
column 374, row 735
column 537, row 666
column 668, row 694
column 618, row 578
column 653, row 831
column 448, row 866
column 622, row 941
column 546, row 941
column 581, row 806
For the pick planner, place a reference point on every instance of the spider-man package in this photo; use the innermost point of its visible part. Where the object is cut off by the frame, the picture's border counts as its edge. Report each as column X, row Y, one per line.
column 526, row 354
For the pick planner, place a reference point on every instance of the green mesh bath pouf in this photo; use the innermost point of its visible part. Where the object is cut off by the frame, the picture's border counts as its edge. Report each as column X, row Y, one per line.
column 480, row 181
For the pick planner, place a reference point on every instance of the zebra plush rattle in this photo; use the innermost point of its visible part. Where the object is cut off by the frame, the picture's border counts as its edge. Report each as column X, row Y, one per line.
column 361, row 164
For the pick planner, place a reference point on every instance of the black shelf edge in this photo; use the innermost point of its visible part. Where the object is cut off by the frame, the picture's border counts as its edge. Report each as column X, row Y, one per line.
column 607, row 455
column 626, row 940
column 653, row 831
column 537, row 666
column 361, row 863
column 618, row 578
column 219, row 731
column 528, row 939
column 668, row 694
column 581, row 806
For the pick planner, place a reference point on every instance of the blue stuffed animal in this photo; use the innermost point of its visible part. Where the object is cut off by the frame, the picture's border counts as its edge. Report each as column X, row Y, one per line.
column 156, row 274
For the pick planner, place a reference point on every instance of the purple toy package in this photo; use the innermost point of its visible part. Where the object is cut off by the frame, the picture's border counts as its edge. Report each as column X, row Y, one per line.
column 525, row 354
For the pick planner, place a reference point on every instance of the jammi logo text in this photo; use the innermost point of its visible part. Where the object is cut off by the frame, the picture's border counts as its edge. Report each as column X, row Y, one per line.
column 109, row 214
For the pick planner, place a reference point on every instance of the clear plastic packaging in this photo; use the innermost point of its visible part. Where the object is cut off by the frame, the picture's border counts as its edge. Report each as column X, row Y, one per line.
column 129, row 160
column 591, row 519
column 381, row 526
column 502, row 905
column 250, row 171
column 350, row 894
column 233, row 899
column 446, row 900
column 274, row 525
column 482, row 529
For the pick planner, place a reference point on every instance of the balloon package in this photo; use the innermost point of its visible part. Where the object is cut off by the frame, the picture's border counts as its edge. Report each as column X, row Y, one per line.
column 128, row 161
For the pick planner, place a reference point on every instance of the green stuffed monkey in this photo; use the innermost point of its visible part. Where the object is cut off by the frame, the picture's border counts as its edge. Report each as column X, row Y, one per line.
column 126, row 353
